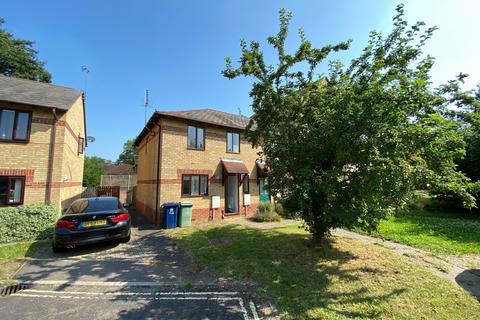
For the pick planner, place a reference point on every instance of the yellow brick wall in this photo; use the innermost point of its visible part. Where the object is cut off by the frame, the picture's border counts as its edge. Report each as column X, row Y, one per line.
column 176, row 157
column 147, row 172
column 72, row 161
column 34, row 155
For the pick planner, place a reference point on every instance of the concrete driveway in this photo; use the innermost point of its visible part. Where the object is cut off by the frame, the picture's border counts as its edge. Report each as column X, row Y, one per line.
column 149, row 277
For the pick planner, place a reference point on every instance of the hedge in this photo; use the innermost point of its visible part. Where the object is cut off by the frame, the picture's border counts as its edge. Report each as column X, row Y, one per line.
column 29, row 222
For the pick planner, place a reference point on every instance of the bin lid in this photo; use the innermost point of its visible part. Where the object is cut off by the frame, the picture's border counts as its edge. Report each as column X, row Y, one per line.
column 186, row 204
column 170, row 204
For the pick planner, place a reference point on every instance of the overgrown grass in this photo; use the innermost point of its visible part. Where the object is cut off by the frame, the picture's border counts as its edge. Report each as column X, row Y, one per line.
column 346, row 280
column 436, row 231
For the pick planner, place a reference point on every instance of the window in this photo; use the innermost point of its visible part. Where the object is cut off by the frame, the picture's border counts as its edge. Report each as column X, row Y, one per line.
column 94, row 205
column 233, row 142
column 246, row 185
column 14, row 125
column 196, row 138
column 11, row 190
column 81, row 145
column 194, row 185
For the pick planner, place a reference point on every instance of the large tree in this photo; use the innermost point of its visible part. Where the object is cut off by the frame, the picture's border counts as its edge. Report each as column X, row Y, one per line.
column 93, row 169
column 19, row 59
column 350, row 147
column 129, row 153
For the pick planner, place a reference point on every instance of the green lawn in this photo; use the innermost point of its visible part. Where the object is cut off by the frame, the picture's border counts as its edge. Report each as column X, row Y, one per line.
column 12, row 256
column 436, row 231
column 346, row 280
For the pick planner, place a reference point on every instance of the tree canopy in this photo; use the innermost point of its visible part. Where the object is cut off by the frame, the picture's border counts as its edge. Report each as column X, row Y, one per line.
column 92, row 171
column 19, row 59
column 351, row 147
column 129, row 153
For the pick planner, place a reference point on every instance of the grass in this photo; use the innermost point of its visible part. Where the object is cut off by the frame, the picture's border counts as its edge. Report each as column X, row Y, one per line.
column 345, row 280
column 12, row 256
column 435, row 231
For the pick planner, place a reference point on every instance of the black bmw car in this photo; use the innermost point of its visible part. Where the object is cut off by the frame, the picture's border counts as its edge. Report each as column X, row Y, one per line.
column 91, row 220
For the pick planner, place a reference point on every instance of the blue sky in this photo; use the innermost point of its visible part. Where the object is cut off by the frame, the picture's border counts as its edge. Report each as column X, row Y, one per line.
column 176, row 49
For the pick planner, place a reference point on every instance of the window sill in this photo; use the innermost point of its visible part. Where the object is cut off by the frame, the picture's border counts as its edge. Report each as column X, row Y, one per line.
column 194, row 196
column 195, row 149
column 15, row 141
column 233, row 152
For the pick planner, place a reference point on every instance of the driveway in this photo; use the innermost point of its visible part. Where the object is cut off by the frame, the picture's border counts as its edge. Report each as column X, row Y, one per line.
column 149, row 277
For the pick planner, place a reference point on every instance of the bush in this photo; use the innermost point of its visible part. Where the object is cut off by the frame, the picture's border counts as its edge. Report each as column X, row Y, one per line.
column 266, row 216
column 30, row 222
column 265, row 213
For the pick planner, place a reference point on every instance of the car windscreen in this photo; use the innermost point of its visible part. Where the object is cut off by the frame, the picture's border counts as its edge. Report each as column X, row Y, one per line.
column 93, row 205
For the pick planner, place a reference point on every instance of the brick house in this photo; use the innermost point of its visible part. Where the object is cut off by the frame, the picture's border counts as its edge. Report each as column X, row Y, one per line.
column 199, row 156
column 42, row 141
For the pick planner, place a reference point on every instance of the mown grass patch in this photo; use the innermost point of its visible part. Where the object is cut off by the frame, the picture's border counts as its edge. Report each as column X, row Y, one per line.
column 345, row 280
column 436, row 231
column 12, row 255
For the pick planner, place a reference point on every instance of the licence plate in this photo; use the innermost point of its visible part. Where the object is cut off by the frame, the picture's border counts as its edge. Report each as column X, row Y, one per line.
column 94, row 223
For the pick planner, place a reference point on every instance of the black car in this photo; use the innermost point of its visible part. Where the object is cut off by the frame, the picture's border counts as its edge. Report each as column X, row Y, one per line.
column 91, row 220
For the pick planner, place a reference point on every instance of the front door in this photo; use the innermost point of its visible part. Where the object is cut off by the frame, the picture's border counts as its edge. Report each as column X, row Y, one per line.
column 264, row 196
column 231, row 194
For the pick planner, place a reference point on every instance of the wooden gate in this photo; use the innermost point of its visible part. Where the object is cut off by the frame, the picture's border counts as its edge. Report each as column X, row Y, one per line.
column 108, row 191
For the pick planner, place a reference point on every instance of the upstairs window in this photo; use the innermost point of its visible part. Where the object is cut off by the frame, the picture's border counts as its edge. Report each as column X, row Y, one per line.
column 196, row 138
column 81, row 145
column 194, row 185
column 14, row 125
column 11, row 190
column 233, row 142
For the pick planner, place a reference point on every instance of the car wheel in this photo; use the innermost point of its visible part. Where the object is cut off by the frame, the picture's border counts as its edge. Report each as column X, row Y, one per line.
column 56, row 249
column 126, row 239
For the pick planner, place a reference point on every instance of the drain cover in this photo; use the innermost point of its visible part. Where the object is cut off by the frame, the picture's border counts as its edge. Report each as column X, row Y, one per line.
column 12, row 289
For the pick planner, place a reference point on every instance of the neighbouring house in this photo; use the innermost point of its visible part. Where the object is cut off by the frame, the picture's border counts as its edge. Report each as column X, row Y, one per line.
column 42, row 142
column 199, row 156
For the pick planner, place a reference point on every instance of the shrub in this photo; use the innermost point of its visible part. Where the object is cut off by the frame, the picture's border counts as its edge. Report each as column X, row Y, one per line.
column 265, row 213
column 266, row 216
column 264, row 207
column 30, row 222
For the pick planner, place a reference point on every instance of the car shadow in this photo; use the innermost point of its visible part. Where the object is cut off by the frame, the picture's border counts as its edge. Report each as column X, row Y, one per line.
column 469, row 280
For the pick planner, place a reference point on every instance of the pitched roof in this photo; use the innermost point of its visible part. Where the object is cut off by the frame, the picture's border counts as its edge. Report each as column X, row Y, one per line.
column 118, row 169
column 37, row 93
column 209, row 116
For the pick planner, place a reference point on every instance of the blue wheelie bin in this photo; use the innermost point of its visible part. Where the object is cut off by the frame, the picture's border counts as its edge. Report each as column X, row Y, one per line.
column 170, row 215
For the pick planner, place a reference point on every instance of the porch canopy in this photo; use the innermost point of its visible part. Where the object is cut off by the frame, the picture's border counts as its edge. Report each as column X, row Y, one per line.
column 234, row 166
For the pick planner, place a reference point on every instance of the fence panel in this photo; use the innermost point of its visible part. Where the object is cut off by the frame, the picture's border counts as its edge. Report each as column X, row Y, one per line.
column 108, row 192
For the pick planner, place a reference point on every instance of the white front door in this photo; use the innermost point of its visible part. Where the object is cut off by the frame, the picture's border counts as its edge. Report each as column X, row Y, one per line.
column 231, row 194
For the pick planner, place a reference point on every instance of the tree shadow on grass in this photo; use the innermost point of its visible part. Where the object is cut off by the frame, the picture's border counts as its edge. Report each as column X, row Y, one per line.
column 299, row 276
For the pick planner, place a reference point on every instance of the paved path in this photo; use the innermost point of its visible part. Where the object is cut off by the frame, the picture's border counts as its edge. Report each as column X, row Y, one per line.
column 149, row 277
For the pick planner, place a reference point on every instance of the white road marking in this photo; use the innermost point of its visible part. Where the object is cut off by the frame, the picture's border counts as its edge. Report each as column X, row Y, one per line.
column 175, row 293
column 254, row 310
column 245, row 313
column 179, row 296
column 98, row 283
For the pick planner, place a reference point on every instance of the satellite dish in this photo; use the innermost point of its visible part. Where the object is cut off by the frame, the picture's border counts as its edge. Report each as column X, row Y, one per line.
column 90, row 139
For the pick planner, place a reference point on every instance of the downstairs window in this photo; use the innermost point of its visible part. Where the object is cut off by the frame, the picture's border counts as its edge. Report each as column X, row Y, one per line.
column 11, row 190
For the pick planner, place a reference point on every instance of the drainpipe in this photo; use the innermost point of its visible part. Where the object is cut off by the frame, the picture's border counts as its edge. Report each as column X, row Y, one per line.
column 158, row 172
column 51, row 156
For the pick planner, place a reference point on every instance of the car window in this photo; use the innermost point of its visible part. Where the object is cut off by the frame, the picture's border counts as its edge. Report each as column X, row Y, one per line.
column 93, row 205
